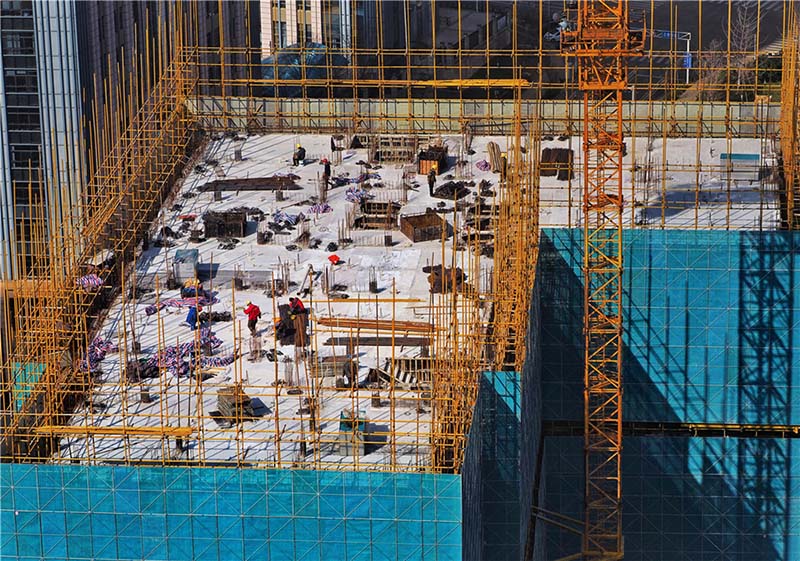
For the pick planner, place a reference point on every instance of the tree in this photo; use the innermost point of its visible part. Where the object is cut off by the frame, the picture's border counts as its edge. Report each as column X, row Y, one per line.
column 743, row 30
column 712, row 63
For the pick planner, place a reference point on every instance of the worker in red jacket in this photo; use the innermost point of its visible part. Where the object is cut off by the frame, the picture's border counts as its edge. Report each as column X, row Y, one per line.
column 296, row 306
column 253, row 313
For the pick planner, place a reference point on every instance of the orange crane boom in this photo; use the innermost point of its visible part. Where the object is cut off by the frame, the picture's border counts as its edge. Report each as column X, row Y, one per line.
column 600, row 43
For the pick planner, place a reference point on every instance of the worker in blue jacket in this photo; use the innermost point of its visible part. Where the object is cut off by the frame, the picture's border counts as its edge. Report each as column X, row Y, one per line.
column 191, row 317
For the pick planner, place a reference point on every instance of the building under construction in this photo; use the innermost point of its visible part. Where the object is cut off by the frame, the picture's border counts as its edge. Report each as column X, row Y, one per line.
column 549, row 297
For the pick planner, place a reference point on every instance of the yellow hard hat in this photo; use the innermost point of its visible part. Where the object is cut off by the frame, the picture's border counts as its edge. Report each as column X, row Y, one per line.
column 247, row 303
column 298, row 146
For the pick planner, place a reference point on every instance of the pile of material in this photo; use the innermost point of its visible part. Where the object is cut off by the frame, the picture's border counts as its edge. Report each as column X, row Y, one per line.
column 234, row 404
column 179, row 359
column 284, row 218
column 484, row 188
column 556, row 162
column 495, row 157
column 356, row 195
column 225, row 224
column 89, row 282
column 442, row 279
column 214, row 316
column 320, row 208
column 451, row 190
column 96, row 352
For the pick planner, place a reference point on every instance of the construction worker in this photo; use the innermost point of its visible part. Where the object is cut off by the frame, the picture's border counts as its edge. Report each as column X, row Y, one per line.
column 192, row 288
column 296, row 306
column 431, row 180
column 326, row 171
column 299, row 155
column 281, row 329
column 191, row 317
column 253, row 313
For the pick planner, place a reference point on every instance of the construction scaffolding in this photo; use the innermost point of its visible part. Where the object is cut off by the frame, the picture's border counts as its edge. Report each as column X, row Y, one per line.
column 719, row 152
column 65, row 408
column 790, row 123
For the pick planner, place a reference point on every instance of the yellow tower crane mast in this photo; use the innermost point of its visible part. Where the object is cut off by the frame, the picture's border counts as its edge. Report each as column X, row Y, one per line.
column 600, row 40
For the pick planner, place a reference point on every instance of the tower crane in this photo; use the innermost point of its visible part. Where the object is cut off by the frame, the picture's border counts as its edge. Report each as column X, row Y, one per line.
column 600, row 39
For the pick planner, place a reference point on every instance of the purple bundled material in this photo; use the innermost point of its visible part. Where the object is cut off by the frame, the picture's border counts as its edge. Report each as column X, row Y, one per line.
column 152, row 308
column 279, row 216
column 320, row 208
column 208, row 338
column 175, row 357
column 96, row 352
column 210, row 361
column 89, row 281
column 184, row 302
column 356, row 195
column 483, row 165
column 365, row 177
column 202, row 301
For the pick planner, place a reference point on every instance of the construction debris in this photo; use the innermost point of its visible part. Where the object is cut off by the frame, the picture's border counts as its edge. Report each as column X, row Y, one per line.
column 441, row 279
column 225, row 223
column 234, row 404
column 451, row 190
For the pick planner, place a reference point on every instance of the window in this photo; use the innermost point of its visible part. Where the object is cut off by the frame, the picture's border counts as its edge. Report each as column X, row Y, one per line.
column 16, row 8
column 18, row 43
column 25, row 156
column 22, row 99
column 20, row 81
column 278, row 34
column 22, row 118
column 304, row 33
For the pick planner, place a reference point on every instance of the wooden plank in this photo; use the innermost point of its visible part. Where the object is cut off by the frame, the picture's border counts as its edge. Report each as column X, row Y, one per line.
column 379, row 341
column 115, row 431
column 376, row 324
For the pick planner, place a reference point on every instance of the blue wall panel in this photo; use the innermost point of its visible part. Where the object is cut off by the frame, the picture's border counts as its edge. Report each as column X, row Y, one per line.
column 711, row 328
column 689, row 499
column 99, row 512
column 711, row 335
